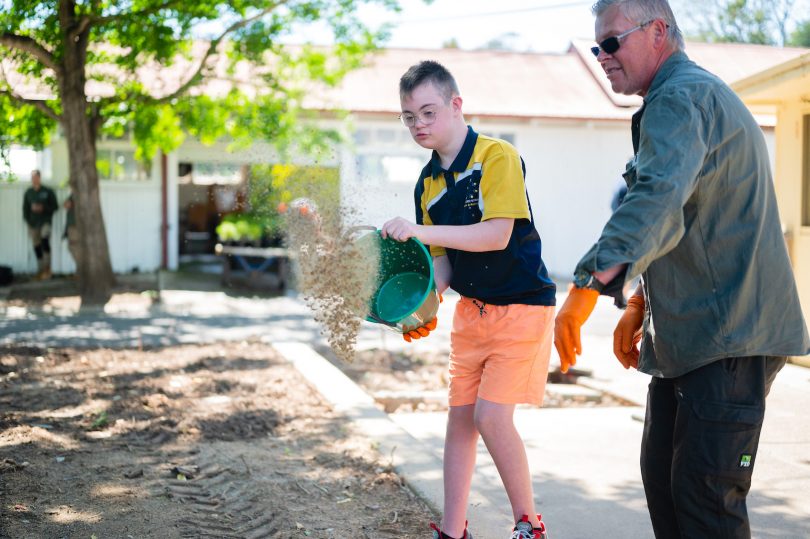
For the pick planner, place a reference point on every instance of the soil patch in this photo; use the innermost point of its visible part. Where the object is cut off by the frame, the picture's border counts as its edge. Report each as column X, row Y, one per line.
column 222, row 440
column 417, row 381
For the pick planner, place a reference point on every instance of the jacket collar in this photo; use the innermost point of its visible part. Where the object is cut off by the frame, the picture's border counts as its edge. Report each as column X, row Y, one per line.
column 665, row 71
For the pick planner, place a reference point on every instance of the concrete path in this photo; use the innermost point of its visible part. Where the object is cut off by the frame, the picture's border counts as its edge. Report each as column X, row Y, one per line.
column 584, row 460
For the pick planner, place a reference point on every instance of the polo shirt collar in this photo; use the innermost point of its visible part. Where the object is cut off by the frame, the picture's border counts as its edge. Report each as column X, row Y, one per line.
column 462, row 159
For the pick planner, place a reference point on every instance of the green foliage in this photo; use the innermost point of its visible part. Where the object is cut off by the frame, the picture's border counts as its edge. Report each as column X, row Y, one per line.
column 245, row 227
column 248, row 87
column 21, row 124
column 271, row 185
column 801, row 35
column 762, row 22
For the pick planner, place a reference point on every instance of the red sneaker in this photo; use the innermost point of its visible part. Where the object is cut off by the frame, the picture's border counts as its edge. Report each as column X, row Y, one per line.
column 439, row 534
column 524, row 530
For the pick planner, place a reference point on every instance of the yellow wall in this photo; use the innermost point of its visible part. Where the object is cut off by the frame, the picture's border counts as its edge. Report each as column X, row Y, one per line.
column 789, row 163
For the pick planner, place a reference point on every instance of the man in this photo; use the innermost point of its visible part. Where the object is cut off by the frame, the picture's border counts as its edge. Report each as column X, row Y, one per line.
column 39, row 204
column 718, row 301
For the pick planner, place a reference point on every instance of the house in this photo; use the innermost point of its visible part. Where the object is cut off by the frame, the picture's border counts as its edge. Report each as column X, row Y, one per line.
column 784, row 90
column 557, row 108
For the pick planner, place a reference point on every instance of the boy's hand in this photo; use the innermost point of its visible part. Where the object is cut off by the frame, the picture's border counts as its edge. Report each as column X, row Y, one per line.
column 574, row 312
column 424, row 331
column 399, row 229
column 628, row 332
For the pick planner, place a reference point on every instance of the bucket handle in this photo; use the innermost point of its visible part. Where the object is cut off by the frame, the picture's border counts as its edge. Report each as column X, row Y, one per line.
column 358, row 228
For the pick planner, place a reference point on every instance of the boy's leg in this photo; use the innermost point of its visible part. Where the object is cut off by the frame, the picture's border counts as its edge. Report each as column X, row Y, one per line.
column 515, row 372
column 459, row 449
column 495, row 423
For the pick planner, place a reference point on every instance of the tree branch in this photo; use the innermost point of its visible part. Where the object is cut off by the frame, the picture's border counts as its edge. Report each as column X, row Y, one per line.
column 212, row 47
column 30, row 46
column 38, row 103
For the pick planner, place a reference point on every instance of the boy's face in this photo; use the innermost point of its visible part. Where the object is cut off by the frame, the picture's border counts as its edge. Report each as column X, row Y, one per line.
column 434, row 116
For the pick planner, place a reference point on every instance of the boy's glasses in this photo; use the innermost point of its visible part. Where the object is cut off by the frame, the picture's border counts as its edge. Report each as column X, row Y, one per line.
column 427, row 117
column 612, row 44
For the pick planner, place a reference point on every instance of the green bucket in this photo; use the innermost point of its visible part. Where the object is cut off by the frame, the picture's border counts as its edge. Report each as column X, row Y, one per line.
column 405, row 296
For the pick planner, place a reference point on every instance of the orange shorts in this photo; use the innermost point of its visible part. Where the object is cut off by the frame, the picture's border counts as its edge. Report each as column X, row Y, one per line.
column 500, row 355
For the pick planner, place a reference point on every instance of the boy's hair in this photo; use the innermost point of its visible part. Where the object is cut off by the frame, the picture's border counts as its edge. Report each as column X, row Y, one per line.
column 428, row 71
column 642, row 11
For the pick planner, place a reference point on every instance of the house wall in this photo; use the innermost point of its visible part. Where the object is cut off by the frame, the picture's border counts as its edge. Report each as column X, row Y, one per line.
column 573, row 168
column 131, row 217
column 789, row 170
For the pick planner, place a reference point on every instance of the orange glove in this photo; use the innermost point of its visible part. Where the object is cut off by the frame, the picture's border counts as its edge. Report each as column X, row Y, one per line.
column 627, row 334
column 574, row 312
column 423, row 331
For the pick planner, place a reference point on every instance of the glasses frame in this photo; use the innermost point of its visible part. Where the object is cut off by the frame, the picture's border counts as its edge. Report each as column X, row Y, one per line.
column 418, row 117
column 613, row 43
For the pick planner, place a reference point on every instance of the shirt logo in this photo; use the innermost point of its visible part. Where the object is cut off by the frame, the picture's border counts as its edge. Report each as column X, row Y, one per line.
column 745, row 461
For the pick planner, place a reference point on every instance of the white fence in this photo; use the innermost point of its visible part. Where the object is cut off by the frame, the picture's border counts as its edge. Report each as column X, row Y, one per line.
column 131, row 217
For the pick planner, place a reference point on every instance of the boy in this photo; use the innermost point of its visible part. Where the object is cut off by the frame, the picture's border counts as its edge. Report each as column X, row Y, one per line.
column 473, row 210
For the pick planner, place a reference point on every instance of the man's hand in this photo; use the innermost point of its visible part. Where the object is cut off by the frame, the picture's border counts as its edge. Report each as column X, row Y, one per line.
column 574, row 312
column 628, row 332
column 36, row 207
column 399, row 229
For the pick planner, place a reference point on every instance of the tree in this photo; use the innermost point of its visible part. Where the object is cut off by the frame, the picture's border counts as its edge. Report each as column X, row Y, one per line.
column 764, row 22
column 801, row 35
column 53, row 50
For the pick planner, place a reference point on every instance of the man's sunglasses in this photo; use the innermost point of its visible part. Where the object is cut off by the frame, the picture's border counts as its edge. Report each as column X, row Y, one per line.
column 612, row 44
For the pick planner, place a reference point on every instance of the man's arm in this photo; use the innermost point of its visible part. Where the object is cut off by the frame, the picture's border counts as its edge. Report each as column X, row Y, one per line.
column 53, row 204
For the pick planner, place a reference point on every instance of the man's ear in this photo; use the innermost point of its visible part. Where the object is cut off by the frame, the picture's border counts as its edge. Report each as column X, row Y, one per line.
column 660, row 33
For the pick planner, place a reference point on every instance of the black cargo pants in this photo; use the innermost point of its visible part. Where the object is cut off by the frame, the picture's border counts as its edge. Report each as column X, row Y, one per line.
column 699, row 447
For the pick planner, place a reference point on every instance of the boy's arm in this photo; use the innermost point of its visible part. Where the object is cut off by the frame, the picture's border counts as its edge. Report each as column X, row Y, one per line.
column 490, row 235
column 442, row 273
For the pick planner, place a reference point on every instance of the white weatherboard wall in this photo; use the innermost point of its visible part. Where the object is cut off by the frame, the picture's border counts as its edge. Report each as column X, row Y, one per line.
column 131, row 218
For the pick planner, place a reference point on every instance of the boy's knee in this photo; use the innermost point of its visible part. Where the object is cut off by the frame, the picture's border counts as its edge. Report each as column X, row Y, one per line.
column 487, row 421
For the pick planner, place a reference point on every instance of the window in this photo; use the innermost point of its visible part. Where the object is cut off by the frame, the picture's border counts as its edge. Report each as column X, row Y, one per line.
column 120, row 165
column 806, row 171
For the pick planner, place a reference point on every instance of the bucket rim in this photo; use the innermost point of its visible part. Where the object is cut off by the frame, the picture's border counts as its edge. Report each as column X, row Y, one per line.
column 428, row 289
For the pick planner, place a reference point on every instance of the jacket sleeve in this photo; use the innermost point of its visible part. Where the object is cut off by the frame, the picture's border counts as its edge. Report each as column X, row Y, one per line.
column 650, row 221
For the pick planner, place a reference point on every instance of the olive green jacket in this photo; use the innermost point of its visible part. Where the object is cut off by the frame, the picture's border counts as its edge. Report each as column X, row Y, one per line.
column 700, row 223
column 44, row 196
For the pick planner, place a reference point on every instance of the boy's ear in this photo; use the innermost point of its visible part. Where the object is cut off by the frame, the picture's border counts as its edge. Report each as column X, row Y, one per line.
column 456, row 102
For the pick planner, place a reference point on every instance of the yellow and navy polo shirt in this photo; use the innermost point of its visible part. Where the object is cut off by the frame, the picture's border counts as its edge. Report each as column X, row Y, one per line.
column 486, row 180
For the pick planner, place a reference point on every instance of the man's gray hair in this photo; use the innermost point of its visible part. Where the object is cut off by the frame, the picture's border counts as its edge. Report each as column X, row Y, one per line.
column 642, row 11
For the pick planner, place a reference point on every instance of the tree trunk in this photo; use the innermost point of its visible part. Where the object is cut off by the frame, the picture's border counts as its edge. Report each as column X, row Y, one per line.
column 94, row 271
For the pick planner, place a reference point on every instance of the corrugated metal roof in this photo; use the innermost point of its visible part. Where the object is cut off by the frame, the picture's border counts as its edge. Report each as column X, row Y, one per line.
column 493, row 83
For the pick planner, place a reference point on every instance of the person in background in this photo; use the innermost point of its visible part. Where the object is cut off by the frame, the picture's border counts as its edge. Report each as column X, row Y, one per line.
column 717, row 311
column 39, row 205
column 473, row 210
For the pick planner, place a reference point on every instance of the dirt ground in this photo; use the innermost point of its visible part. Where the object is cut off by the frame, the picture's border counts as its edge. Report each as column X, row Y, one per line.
column 222, row 440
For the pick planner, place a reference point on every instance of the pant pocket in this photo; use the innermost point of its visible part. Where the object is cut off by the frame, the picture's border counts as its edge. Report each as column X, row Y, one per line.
column 727, row 436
